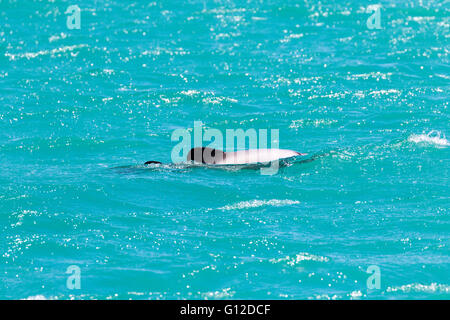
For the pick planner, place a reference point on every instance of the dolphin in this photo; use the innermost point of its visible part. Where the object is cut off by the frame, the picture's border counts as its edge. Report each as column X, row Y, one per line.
column 205, row 155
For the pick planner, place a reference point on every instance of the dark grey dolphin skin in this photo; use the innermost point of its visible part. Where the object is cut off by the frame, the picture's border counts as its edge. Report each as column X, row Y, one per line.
column 201, row 155
column 206, row 155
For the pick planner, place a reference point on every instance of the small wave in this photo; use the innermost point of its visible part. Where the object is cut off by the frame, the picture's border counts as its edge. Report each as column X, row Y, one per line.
column 433, row 137
column 206, row 97
column 417, row 287
column 142, row 168
column 384, row 92
column 171, row 52
column 259, row 203
column 303, row 256
column 190, row 93
column 366, row 76
column 302, row 123
column 223, row 294
column 354, row 295
column 31, row 55
column 324, row 297
column 218, row 100
column 57, row 37
column 36, row 297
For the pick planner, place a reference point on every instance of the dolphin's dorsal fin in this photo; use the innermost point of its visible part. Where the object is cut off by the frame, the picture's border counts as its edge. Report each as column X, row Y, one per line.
column 153, row 162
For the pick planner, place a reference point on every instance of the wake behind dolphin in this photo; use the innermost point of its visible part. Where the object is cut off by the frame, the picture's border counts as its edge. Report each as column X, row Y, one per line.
column 210, row 156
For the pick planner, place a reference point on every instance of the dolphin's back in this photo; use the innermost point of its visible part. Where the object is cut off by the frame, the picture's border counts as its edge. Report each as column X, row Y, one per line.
column 257, row 156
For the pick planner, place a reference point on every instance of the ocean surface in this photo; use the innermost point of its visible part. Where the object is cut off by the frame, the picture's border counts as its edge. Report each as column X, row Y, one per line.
column 81, row 110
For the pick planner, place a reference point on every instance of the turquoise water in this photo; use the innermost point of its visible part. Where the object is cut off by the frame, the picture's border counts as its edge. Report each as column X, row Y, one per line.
column 76, row 104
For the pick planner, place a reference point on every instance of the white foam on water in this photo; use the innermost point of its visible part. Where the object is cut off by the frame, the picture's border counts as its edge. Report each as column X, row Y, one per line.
column 259, row 203
column 383, row 92
column 324, row 297
column 418, row 287
column 354, row 295
column 303, row 256
column 190, row 93
column 433, row 137
column 31, row 55
column 57, row 37
column 226, row 293
column 36, row 297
